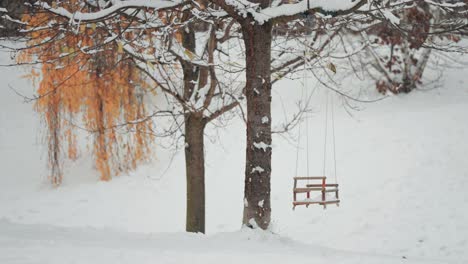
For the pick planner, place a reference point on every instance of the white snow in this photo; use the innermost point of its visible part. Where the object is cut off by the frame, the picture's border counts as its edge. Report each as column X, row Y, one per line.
column 257, row 169
column 245, row 7
column 261, row 145
column 261, row 203
column 391, row 17
column 106, row 12
column 265, row 120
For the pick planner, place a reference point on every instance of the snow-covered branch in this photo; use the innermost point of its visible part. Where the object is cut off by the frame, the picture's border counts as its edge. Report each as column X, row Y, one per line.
column 112, row 10
column 245, row 8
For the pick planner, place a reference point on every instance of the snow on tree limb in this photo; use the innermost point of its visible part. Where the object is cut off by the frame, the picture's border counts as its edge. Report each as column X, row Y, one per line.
column 288, row 10
column 112, row 10
column 243, row 8
column 236, row 8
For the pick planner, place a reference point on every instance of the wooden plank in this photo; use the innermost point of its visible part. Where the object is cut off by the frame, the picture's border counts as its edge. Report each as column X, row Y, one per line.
column 330, row 202
column 304, row 190
column 320, row 185
column 306, row 202
column 310, row 178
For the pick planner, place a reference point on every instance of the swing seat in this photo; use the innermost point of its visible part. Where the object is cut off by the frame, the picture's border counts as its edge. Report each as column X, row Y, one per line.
column 324, row 188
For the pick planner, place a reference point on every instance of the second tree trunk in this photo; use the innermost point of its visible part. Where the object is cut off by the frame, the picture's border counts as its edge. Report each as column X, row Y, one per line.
column 195, row 173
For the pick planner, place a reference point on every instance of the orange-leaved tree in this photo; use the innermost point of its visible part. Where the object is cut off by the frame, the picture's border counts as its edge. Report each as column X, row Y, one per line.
column 85, row 79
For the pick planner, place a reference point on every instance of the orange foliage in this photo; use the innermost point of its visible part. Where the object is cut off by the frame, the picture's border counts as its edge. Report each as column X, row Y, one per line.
column 103, row 89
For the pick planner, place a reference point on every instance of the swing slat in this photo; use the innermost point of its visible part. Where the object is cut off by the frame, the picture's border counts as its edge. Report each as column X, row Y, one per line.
column 311, row 178
column 304, row 190
column 330, row 202
column 304, row 202
column 320, row 185
column 307, row 202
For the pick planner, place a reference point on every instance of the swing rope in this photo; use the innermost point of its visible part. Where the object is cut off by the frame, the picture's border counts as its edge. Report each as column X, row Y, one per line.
column 307, row 142
column 334, row 138
column 304, row 84
column 325, row 139
column 329, row 107
column 307, row 117
column 329, row 118
column 297, row 149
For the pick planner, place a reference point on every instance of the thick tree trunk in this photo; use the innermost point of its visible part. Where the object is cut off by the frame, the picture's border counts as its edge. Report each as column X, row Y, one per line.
column 195, row 173
column 257, row 210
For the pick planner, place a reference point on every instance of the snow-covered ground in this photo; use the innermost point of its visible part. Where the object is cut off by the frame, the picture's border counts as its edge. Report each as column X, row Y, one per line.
column 401, row 167
column 50, row 244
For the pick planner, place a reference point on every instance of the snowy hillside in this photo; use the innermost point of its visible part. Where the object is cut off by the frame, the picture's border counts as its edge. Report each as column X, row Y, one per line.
column 401, row 167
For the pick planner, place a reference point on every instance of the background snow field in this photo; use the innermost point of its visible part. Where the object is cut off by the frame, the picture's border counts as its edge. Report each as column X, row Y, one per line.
column 402, row 170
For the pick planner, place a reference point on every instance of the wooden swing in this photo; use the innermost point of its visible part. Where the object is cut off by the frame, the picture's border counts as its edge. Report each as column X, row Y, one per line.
column 323, row 188
column 328, row 193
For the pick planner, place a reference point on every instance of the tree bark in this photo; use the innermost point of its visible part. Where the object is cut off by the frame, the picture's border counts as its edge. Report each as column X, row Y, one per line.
column 195, row 173
column 257, row 210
